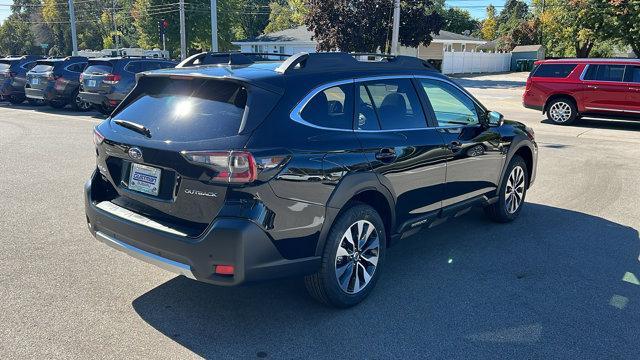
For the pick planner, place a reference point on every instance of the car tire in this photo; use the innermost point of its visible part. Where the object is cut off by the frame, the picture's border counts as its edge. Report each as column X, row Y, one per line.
column 35, row 102
column 562, row 111
column 337, row 284
column 104, row 109
column 512, row 192
column 16, row 99
column 78, row 105
column 57, row 104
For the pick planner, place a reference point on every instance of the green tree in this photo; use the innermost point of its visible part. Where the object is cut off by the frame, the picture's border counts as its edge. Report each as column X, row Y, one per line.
column 357, row 25
column 458, row 21
column 286, row 14
column 573, row 27
column 624, row 17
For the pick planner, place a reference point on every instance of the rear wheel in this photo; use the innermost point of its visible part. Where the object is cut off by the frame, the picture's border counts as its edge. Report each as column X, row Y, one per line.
column 352, row 258
column 57, row 104
column 35, row 102
column 80, row 105
column 512, row 192
column 562, row 111
column 16, row 99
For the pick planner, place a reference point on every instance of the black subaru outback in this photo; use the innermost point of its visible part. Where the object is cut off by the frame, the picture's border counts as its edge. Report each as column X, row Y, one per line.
column 57, row 82
column 312, row 166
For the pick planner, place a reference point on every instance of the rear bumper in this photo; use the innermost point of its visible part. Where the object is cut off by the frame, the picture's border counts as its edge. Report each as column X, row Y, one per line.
column 35, row 94
column 111, row 100
column 49, row 93
column 228, row 241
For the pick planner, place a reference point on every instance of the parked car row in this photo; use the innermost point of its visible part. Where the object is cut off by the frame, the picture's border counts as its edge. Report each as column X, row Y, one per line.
column 77, row 81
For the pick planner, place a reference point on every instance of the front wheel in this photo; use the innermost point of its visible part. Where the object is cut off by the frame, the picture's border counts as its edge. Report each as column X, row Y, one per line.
column 80, row 105
column 104, row 109
column 511, row 193
column 352, row 259
column 562, row 111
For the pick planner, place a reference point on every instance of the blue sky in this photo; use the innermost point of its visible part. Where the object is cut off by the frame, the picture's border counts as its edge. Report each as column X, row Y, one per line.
column 475, row 7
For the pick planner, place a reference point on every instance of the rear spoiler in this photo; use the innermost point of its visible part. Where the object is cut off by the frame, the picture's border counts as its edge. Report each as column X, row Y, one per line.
column 193, row 75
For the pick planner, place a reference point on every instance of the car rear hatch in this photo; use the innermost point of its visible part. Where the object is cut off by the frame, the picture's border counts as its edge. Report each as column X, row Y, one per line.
column 99, row 76
column 41, row 74
column 175, row 146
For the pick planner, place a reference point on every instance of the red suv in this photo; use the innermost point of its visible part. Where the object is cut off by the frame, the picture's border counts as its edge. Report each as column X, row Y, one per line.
column 570, row 88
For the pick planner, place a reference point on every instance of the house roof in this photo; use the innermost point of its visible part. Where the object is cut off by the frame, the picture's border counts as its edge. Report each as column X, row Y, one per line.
column 525, row 48
column 301, row 34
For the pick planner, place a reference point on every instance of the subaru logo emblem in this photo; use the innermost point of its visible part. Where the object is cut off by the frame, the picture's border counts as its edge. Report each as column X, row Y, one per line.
column 135, row 153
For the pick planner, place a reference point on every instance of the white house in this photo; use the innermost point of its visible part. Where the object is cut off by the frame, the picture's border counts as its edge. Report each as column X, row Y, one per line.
column 300, row 39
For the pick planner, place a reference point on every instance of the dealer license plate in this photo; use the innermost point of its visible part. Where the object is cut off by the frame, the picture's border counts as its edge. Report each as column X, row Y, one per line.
column 145, row 179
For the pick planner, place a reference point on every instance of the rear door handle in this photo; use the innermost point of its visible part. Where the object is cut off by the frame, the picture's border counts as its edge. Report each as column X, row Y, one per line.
column 455, row 145
column 386, row 154
column 592, row 86
column 634, row 89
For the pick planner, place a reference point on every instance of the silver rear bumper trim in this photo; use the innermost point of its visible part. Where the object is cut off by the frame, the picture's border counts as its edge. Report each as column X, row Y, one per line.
column 159, row 261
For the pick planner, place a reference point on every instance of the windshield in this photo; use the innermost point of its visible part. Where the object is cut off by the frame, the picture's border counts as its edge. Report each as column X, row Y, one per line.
column 187, row 110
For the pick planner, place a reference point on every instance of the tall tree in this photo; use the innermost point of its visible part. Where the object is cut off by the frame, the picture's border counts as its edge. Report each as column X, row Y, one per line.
column 624, row 17
column 573, row 27
column 365, row 25
column 286, row 14
column 459, row 20
column 489, row 28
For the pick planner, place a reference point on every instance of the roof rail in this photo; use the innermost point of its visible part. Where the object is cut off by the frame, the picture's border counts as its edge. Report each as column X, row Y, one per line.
column 339, row 60
column 228, row 58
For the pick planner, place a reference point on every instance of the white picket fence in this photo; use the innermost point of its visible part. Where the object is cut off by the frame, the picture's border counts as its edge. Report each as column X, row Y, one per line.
column 455, row 62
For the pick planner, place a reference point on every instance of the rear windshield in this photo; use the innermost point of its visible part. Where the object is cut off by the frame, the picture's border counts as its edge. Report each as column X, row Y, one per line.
column 103, row 67
column 42, row 68
column 4, row 66
column 554, row 70
column 186, row 110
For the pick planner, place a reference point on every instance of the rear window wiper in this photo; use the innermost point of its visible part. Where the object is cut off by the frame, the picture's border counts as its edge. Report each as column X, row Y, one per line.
column 141, row 129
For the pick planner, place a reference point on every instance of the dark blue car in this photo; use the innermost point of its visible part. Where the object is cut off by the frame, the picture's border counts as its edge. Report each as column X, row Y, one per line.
column 106, row 81
column 13, row 71
column 57, row 82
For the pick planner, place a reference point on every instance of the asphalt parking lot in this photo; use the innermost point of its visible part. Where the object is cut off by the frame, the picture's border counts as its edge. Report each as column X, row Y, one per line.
column 560, row 282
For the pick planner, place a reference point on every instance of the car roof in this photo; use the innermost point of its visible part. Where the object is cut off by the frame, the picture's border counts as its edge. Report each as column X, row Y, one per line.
column 591, row 61
column 317, row 69
column 118, row 58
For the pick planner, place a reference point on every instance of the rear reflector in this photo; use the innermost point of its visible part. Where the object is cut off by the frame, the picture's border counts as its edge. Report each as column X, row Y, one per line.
column 97, row 137
column 224, row 269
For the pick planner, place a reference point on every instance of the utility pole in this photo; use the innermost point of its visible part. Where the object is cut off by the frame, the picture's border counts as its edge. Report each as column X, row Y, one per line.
column 214, row 25
column 72, row 18
column 113, row 18
column 183, row 35
column 396, row 27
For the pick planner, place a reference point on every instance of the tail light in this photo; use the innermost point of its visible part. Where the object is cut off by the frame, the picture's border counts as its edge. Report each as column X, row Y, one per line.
column 111, row 79
column 233, row 167
column 51, row 76
column 97, row 137
column 10, row 73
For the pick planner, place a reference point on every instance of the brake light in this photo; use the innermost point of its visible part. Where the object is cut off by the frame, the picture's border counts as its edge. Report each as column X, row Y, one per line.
column 97, row 137
column 233, row 167
column 224, row 269
column 111, row 79
column 11, row 73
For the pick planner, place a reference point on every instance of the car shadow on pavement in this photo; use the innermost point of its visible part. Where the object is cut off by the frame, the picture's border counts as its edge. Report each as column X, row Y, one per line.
column 610, row 124
column 553, row 284
column 67, row 111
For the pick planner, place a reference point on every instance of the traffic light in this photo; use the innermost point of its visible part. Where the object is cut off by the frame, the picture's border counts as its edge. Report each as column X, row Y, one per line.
column 162, row 27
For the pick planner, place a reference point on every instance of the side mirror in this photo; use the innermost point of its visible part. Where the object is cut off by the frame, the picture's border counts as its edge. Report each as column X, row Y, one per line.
column 494, row 118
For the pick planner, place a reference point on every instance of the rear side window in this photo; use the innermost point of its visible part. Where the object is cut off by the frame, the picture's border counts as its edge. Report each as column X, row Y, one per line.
column 77, row 67
column 396, row 105
column 99, row 68
column 632, row 74
column 186, row 110
column 554, row 70
column 605, row 72
column 28, row 66
column 331, row 108
column 41, row 68
column 135, row 66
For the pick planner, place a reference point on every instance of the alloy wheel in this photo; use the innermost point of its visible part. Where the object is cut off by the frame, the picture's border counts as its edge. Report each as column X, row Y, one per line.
column 560, row 112
column 81, row 104
column 514, row 192
column 357, row 256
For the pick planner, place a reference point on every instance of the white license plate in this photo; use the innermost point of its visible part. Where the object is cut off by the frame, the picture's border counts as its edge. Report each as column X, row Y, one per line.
column 91, row 83
column 145, row 179
column 35, row 81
